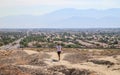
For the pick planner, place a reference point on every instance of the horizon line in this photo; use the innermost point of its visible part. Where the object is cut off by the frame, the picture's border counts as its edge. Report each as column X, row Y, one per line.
column 68, row 28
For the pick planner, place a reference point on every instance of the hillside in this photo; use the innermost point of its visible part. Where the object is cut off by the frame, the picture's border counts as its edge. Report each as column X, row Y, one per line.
column 73, row 62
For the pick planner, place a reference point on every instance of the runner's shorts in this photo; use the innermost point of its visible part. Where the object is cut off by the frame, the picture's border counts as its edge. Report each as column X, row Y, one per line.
column 59, row 52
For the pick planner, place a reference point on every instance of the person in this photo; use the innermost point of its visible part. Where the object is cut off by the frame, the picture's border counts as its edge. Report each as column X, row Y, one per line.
column 59, row 50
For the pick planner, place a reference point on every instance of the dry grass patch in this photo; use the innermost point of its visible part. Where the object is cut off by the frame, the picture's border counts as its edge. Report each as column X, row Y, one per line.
column 110, row 52
column 77, row 57
column 37, row 59
column 102, row 62
column 71, row 71
column 55, row 70
column 22, row 58
column 14, row 57
column 11, row 70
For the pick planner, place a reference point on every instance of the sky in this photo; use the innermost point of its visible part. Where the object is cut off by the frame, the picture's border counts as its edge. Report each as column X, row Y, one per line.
column 40, row 7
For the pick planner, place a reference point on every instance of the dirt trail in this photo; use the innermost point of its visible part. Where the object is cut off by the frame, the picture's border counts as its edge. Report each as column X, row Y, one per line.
column 54, row 60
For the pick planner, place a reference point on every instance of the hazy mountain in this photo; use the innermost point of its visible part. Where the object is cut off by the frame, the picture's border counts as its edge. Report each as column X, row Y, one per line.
column 66, row 18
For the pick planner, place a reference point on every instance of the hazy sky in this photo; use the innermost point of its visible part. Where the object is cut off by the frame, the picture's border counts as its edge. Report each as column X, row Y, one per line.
column 38, row 7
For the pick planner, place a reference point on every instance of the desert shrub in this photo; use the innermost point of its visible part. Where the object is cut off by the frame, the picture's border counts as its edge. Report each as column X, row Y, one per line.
column 72, row 46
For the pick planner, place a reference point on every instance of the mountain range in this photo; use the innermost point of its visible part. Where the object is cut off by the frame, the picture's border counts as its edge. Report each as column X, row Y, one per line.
column 66, row 18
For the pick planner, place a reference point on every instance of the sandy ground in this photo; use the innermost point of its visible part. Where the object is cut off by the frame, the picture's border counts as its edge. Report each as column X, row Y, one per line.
column 30, row 52
column 100, row 69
